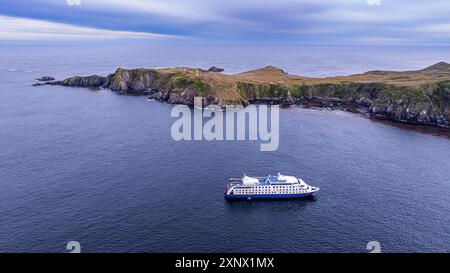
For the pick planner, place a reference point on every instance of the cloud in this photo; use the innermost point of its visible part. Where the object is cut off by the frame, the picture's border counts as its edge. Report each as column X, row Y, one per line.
column 21, row 29
column 298, row 21
column 436, row 29
column 175, row 10
column 373, row 2
column 73, row 2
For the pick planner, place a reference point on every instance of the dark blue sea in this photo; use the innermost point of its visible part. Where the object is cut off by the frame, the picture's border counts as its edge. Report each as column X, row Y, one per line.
column 102, row 169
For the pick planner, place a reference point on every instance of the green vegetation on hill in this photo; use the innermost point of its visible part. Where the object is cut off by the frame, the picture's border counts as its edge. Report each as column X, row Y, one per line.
column 193, row 83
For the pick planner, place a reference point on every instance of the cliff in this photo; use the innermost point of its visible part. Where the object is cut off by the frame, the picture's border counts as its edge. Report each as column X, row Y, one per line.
column 418, row 97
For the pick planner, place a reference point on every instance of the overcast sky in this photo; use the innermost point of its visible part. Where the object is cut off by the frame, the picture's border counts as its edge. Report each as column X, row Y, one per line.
column 330, row 22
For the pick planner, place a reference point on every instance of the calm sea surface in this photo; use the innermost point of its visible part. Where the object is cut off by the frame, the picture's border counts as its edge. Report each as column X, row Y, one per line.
column 103, row 170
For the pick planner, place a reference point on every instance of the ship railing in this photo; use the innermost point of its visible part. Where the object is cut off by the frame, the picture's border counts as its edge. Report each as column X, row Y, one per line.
column 235, row 179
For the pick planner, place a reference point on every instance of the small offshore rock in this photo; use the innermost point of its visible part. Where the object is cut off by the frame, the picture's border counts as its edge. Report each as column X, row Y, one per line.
column 216, row 69
column 47, row 83
column 45, row 79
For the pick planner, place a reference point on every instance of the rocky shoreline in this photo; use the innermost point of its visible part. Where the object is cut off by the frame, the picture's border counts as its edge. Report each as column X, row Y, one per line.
column 414, row 97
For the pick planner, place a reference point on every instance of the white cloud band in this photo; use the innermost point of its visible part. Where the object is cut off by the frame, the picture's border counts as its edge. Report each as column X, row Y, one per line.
column 22, row 29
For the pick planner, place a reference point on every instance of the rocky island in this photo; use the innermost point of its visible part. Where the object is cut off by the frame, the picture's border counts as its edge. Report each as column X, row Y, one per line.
column 416, row 97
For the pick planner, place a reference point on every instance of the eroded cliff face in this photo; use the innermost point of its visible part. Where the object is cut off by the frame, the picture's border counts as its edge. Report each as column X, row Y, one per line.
column 133, row 80
column 428, row 104
column 419, row 101
column 163, row 85
column 89, row 81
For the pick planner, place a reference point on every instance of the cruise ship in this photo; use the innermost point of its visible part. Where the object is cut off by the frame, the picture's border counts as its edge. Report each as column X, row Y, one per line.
column 270, row 187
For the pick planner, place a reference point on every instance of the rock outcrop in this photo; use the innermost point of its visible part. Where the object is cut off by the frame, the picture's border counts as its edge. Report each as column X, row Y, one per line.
column 216, row 69
column 89, row 81
column 45, row 79
column 132, row 80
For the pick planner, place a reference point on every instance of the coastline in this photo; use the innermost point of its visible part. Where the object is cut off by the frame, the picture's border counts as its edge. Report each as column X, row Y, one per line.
column 420, row 97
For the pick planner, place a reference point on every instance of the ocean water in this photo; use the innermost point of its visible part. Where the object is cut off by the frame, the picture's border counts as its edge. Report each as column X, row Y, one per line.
column 102, row 169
